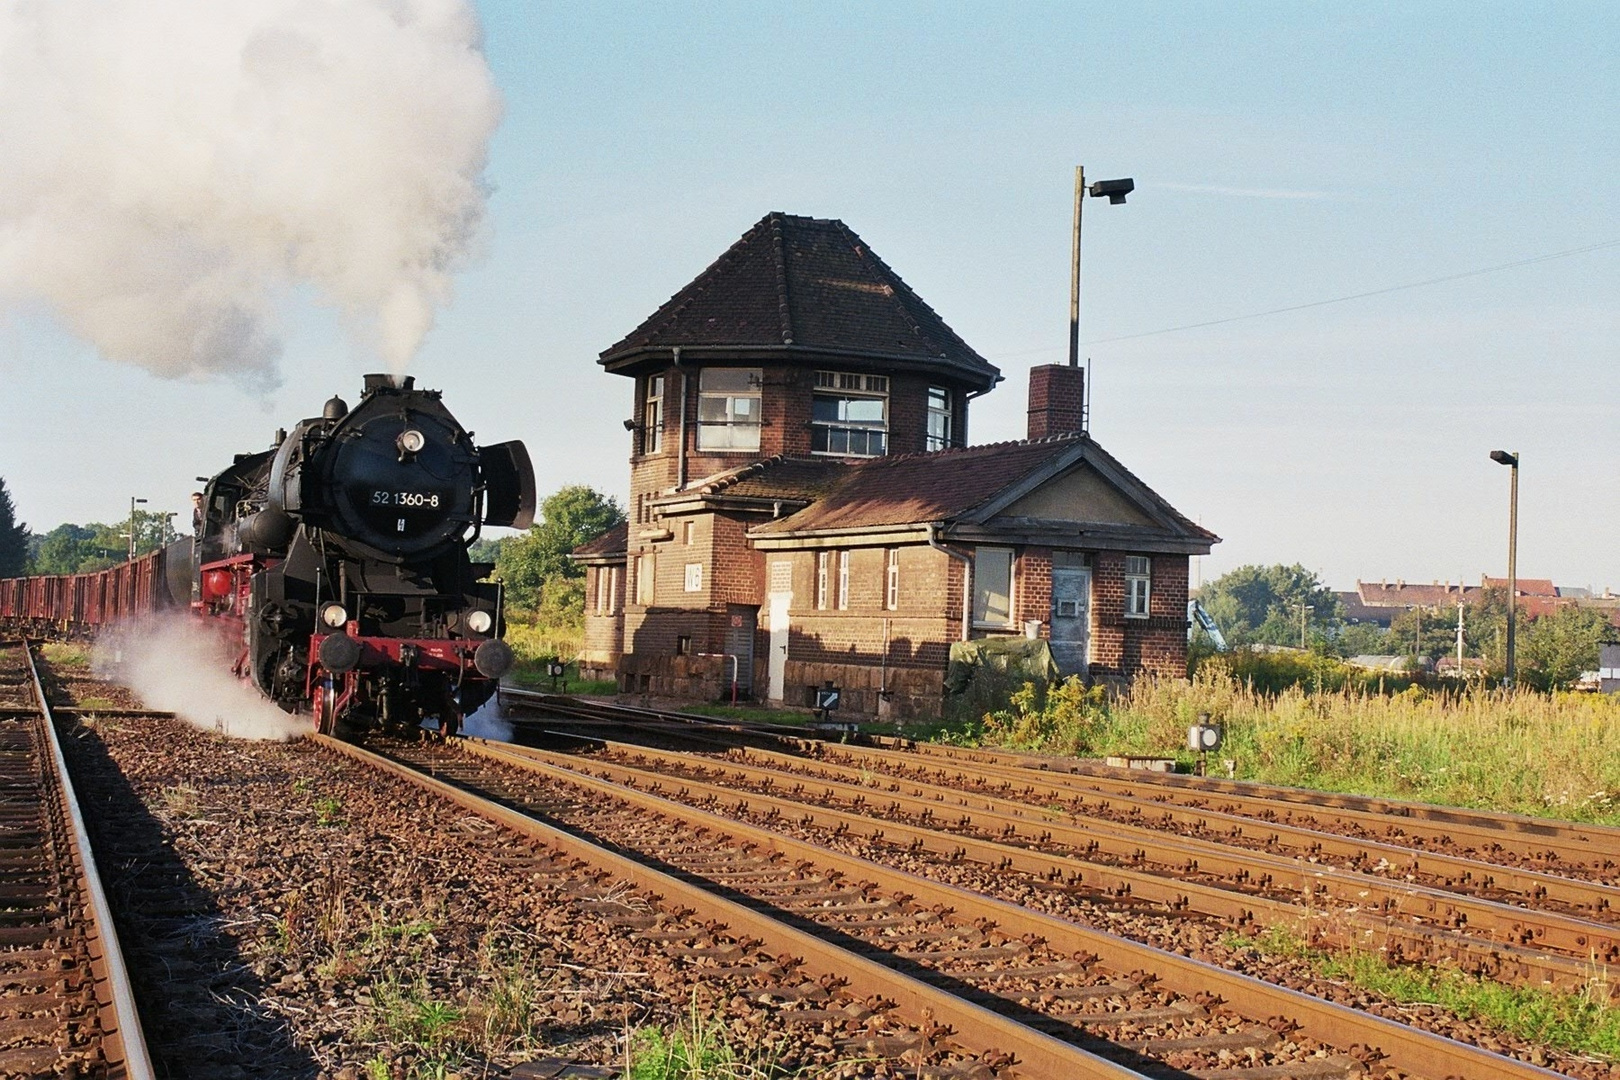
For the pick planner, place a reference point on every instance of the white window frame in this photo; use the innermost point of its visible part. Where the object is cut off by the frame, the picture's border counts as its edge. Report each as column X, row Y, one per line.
column 939, row 418
column 891, row 585
column 652, row 416
column 729, row 402
column 839, row 435
column 843, row 581
column 1001, row 562
column 1138, row 586
column 822, row 560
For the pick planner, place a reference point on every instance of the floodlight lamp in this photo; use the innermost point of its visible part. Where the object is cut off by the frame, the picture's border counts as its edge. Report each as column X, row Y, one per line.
column 1115, row 190
column 1502, row 457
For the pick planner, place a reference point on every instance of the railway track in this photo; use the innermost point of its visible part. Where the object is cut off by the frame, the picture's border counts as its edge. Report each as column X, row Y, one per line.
column 978, row 986
column 1132, row 864
column 67, row 1007
column 1502, row 922
column 1571, row 848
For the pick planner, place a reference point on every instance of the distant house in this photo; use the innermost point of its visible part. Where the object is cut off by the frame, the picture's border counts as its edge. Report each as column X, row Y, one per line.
column 1609, row 668
column 805, row 507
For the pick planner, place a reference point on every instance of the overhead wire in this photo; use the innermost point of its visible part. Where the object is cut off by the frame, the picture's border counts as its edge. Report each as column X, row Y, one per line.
column 1363, row 295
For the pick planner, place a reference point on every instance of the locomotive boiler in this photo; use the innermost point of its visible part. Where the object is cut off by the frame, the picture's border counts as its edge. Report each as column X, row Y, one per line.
column 337, row 561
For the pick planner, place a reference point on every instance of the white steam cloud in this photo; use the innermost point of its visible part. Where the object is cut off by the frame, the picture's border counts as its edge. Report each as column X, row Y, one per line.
column 174, row 168
column 182, row 664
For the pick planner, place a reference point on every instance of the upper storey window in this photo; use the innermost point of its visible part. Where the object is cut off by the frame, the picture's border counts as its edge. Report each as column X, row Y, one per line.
column 850, row 414
column 652, row 417
column 728, row 408
column 939, row 418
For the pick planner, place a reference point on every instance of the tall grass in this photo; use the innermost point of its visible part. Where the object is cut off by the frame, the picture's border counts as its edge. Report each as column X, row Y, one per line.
column 1549, row 754
column 544, row 641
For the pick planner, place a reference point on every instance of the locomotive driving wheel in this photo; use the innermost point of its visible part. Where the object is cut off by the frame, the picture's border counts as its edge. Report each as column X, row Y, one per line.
column 326, row 708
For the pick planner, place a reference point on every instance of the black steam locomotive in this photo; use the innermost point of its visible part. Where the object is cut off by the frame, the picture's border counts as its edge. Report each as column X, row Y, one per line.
column 340, row 557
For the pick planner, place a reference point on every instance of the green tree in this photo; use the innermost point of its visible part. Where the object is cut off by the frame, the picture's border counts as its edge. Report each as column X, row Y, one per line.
column 1429, row 632
column 1261, row 605
column 568, row 518
column 81, row 549
column 1558, row 646
column 1362, row 639
column 64, row 549
column 13, row 538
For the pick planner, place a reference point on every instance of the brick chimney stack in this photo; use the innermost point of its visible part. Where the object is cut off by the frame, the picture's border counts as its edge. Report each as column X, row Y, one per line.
column 1057, row 395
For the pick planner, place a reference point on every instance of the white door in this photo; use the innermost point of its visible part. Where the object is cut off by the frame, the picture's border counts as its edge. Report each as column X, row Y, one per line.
column 781, row 599
column 1071, row 619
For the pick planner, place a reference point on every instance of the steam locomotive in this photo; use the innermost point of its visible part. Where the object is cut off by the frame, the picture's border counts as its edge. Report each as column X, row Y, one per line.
column 340, row 557
column 335, row 565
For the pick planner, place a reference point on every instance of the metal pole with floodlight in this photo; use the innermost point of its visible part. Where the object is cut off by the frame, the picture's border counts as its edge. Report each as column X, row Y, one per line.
column 1114, row 191
column 132, row 501
column 1511, row 460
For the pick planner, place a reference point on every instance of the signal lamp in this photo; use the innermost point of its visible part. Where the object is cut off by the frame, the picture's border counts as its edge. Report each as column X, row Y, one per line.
column 335, row 616
column 479, row 622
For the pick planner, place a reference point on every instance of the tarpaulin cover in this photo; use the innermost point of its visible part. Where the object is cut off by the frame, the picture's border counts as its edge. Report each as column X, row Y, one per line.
column 1022, row 658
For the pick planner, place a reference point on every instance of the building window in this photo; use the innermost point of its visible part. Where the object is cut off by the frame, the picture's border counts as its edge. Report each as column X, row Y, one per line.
column 849, row 415
column 992, row 586
column 694, row 576
column 683, row 645
column 822, row 560
column 891, row 586
column 729, row 408
column 646, row 567
column 843, row 581
column 688, row 530
column 939, row 418
column 652, row 416
column 1138, row 582
column 614, row 574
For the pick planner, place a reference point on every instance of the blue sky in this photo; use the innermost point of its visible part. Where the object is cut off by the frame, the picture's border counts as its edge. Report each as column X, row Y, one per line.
column 1283, row 154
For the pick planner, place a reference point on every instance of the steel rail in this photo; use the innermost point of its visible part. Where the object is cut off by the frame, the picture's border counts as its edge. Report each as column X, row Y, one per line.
column 977, row 1030
column 124, row 1041
column 1579, row 841
column 1588, row 942
column 1423, row 1054
column 1452, row 870
column 1505, row 960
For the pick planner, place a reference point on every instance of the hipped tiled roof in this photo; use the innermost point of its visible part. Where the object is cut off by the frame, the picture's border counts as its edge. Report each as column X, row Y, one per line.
column 800, row 284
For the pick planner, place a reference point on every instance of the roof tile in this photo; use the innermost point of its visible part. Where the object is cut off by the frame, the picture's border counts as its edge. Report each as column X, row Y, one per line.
column 804, row 283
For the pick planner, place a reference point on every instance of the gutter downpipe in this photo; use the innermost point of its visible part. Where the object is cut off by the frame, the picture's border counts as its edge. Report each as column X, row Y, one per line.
column 967, row 574
column 680, row 458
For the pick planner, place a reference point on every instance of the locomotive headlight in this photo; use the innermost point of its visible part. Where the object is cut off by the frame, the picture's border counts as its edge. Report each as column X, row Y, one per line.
column 335, row 616
column 410, row 443
column 479, row 622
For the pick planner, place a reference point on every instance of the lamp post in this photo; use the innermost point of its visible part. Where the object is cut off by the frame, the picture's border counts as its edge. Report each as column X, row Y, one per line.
column 1511, row 460
column 132, row 501
column 1114, row 191
column 1304, row 609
